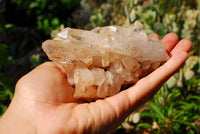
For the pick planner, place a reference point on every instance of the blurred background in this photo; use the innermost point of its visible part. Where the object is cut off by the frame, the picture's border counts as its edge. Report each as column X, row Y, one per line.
column 24, row 25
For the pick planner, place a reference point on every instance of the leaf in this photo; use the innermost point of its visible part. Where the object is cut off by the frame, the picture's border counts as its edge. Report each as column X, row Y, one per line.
column 3, row 55
column 148, row 115
column 157, row 110
column 2, row 109
column 171, row 82
column 179, row 114
column 173, row 95
column 55, row 22
column 33, row 5
column 171, row 109
column 187, row 124
column 189, row 74
column 180, row 103
column 46, row 24
column 6, row 81
column 35, row 60
column 144, row 125
column 159, row 29
column 193, row 97
column 132, row 15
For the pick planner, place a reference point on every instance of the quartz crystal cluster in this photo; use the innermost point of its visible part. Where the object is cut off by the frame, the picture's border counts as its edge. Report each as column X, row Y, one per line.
column 99, row 62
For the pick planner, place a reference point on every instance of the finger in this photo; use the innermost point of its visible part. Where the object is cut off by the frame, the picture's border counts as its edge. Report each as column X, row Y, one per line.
column 154, row 34
column 127, row 101
column 183, row 45
column 170, row 40
column 149, row 85
column 178, row 56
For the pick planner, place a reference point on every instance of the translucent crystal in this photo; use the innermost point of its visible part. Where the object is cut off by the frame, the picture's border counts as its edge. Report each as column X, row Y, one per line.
column 100, row 61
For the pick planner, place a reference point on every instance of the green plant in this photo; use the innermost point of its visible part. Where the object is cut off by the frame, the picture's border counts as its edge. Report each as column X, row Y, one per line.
column 48, row 14
column 6, row 83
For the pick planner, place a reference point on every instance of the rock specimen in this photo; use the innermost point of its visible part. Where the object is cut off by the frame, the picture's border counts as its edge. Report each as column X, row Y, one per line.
column 100, row 61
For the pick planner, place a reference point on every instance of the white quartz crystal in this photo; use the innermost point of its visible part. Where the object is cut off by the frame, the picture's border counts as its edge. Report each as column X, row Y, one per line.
column 100, row 61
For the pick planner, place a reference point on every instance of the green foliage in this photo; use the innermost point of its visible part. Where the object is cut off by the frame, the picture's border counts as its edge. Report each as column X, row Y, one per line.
column 49, row 14
column 158, row 16
column 3, row 55
column 35, row 60
column 6, row 83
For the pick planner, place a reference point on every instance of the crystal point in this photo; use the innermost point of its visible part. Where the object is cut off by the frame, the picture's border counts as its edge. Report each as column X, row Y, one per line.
column 100, row 61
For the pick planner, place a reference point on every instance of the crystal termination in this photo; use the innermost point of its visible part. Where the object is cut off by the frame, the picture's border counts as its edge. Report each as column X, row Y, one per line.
column 100, row 61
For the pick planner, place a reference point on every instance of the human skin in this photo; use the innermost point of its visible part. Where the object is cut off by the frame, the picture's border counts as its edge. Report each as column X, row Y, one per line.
column 43, row 101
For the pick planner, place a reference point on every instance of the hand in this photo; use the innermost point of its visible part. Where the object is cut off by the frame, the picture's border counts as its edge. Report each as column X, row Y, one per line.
column 43, row 101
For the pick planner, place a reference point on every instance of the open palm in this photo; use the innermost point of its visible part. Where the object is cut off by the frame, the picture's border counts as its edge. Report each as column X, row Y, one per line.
column 43, row 98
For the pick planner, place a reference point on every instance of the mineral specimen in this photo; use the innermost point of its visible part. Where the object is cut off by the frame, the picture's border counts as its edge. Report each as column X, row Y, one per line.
column 100, row 61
